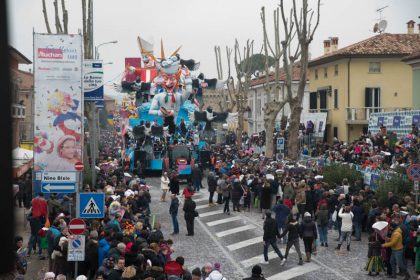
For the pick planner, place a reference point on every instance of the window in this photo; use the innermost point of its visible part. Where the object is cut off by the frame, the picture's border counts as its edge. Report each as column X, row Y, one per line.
column 316, row 74
column 335, row 132
column 325, row 72
column 335, row 98
column 373, row 98
column 374, row 67
column 336, row 70
column 313, row 101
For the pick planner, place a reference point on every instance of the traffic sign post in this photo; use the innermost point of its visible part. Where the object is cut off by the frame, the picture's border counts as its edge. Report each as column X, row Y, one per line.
column 416, row 191
column 92, row 205
column 58, row 182
column 413, row 172
column 77, row 226
column 280, row 145
column 78, row 166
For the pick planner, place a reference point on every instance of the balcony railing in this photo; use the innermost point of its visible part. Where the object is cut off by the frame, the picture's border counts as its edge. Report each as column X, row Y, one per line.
column 18, row 111
column 361, row 115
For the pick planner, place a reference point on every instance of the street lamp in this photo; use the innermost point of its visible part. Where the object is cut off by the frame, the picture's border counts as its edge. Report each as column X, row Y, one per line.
column 97, row 47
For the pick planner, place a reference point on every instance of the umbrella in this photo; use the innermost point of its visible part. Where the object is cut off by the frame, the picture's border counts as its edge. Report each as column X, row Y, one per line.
column 380, row 226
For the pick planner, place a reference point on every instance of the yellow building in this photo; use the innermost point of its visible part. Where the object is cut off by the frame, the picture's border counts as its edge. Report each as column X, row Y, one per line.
column 365, row 77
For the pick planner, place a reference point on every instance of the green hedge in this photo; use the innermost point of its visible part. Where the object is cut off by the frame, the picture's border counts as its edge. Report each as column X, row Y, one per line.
column 397, row 184
column 335, row 173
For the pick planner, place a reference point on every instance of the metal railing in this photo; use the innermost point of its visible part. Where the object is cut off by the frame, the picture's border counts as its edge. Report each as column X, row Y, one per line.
column 18, row 111
column 362, row 114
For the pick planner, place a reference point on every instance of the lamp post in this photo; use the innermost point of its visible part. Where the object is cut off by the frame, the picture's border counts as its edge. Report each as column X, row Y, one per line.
column 94, row 126
column 98, row 46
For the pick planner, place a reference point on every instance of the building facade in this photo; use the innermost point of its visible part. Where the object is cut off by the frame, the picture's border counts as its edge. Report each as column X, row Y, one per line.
column 366, row 77
column 257, row 98
column 22, row 100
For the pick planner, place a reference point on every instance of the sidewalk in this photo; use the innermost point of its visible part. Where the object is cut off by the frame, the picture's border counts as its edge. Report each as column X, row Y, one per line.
column 36, row 267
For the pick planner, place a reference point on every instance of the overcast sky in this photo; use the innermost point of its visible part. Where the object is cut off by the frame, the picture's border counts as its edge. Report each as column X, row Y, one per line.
column 199, row 25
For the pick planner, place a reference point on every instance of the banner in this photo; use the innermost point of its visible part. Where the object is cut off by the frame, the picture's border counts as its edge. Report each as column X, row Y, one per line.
column 58, row 102
column 93, row 80
column 400, row 122
column 315, row 122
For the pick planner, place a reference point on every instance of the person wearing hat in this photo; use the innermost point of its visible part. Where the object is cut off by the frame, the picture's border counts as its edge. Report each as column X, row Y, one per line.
column 256, row 273
column 49, row 276
column 216, row 273
column 308, row 233
column 196, row 274
column 271, row 233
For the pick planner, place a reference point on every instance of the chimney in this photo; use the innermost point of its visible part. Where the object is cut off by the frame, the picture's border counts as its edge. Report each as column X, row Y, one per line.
column 334, row 44
column 327, row 46
column 410, row 27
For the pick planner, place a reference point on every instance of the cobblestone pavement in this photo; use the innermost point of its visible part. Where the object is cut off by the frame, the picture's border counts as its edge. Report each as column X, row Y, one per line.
column 236, row 242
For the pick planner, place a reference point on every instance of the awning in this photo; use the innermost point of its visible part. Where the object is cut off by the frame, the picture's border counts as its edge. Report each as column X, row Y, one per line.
column 22, row 161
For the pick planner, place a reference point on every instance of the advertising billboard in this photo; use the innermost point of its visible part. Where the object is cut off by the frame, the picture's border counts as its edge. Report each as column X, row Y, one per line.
column 58, row 102
column 93, row 80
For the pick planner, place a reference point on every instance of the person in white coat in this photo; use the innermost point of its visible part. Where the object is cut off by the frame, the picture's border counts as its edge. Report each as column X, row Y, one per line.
column 346, row 226
column 164, row 185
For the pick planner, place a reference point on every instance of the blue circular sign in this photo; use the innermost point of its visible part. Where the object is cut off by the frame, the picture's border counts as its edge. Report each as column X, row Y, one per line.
column 76, row 243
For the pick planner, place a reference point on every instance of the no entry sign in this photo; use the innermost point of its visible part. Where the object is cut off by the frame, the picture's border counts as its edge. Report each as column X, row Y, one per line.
column 78, row 166
column 77, row 226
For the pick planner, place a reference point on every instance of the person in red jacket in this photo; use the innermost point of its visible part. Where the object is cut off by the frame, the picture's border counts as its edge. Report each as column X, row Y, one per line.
column 37, row 220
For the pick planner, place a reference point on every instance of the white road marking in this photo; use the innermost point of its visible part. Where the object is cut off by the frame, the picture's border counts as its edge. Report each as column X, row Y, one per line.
column 202, row 206
column 245, row 243
column 211, row 213
column 258, row 259
column 223, row 250
column 234, row 230
column 294, row 272
column 201, row 199
column 223, row 221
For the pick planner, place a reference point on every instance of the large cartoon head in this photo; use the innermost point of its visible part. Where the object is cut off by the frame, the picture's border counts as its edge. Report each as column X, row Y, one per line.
column 61, row 103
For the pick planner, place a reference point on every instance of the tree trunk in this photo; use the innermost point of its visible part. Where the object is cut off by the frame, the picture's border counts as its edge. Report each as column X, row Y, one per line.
column 240, row 127
column 269, row 124
column 44, row 11
column 293, row 147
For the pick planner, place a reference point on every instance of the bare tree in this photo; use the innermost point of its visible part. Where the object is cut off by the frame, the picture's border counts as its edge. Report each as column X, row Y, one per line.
column 44, row 11
column 222, row 102
column 243, row 63
column 293, row 49
column 272, row 88
column 304, row 30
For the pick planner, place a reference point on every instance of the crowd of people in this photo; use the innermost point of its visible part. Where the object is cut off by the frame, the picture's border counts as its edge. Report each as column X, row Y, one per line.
column 294, row 201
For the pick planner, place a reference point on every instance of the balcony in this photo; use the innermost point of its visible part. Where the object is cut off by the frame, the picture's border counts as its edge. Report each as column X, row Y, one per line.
column 328, row 111
column 360, row 115
column 18, row 111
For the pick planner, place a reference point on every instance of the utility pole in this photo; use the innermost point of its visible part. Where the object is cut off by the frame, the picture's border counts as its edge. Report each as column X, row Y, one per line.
column 93, row 131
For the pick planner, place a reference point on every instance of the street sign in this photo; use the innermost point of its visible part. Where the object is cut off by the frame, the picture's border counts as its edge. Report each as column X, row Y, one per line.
column 76, row 249
column 78, row 166
column 280, row 144
column 58, row 187
column 58, row 182
column 58, row 177
column 92, row 205
column 77, row 226
column 413, row 172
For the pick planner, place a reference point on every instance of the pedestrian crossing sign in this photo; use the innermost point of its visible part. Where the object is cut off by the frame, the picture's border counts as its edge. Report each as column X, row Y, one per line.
column 91, row 205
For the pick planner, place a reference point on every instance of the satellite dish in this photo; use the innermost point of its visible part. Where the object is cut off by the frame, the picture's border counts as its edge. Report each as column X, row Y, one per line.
column 382, row 25
column 376, row 28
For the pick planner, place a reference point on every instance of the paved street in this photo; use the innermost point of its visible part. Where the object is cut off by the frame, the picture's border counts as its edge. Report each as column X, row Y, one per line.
column 236, row 242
